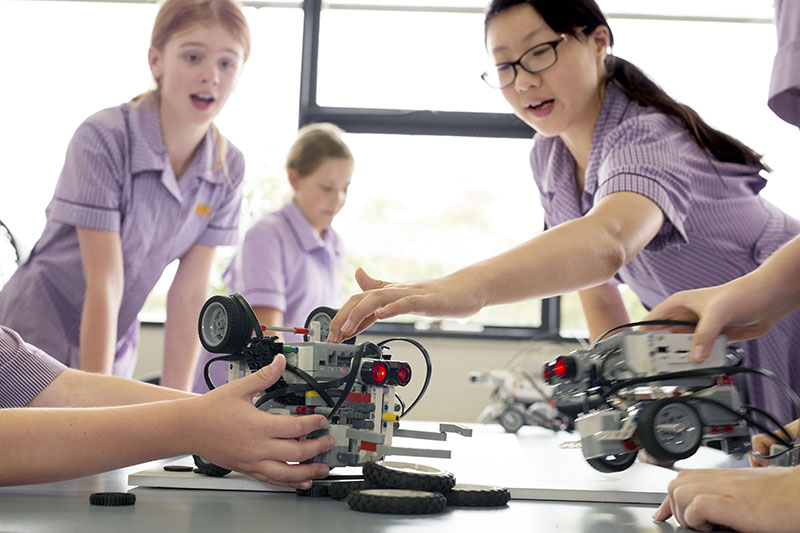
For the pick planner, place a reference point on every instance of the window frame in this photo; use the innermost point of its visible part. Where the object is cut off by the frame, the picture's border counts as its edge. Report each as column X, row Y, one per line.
column 416, row 122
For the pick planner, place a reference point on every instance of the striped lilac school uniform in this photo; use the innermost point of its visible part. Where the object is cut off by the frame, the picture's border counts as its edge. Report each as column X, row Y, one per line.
column 784, row 90
column 283, row 264
column 117, row 177
column 717, row 228
column 25, row 370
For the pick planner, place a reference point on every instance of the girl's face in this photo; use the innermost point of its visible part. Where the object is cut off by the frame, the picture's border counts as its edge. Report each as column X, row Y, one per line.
column 197, row 71
column 321, row 194
column 562, row 98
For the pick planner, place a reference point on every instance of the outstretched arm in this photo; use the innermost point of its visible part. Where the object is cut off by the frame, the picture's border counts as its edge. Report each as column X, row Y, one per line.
column 50, row 444
column 582, row 253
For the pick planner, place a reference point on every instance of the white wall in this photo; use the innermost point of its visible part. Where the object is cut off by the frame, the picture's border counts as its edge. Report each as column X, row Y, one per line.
column 450, row 395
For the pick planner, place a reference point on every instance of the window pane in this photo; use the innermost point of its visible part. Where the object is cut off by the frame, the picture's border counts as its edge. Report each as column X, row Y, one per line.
column 403, row 60
column 722, row 70
column 423, row 206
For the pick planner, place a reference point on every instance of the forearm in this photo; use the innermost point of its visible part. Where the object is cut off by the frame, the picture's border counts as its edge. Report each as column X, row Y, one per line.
column 775, row 283
column 181, row 342
column 570, row 257
column 43, row 445
column 98, row 334
column 604, row 309
column 73, row 388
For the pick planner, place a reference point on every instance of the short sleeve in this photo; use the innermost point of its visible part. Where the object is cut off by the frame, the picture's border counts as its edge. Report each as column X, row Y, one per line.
column 223, row 228
column 784, row 91
column 646, row 155
column 89, row 190
column 24, row 370
column 258, row 271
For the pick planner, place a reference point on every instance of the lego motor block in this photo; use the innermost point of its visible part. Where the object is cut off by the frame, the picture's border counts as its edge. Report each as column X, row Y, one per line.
column 356, row 386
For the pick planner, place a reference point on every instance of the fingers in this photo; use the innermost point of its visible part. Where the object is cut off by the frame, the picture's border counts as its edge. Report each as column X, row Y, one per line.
column 705, row 511
column 294, row 451
column 264, row 378
column 366, row 282
column 293, row 427
column 709, row 327
column 284, row 475
column 664, row 511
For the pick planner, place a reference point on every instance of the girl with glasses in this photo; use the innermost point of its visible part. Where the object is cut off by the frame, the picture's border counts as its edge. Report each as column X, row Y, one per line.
column 636, row 188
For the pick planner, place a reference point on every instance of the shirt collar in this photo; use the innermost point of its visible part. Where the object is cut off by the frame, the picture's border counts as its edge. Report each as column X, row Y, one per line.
column 148, row 152
column 307, row 237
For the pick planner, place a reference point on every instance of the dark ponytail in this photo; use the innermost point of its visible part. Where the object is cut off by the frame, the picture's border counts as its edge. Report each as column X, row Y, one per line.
column 567, row 16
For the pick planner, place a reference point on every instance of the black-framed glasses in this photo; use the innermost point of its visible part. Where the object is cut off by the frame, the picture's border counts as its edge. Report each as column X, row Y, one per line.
column 540, row 57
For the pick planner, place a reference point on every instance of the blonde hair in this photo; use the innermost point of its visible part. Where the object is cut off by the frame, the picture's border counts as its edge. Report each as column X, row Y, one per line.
column 315, row 144
column 175, row 16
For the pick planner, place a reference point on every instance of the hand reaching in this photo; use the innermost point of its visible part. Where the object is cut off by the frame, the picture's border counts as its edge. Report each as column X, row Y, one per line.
column 737, row 309
column 455, row 295
column 228, row 430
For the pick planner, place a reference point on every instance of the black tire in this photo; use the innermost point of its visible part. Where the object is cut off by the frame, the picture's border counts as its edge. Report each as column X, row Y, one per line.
column 512, row 419
column 223, row 326
column 324, row 315
column 339, row 490
column 395, row 475
column 613, row 463
column 477, row 496
column 316, row 491
column 665, row 445
column 396, row 501
column 209, row 469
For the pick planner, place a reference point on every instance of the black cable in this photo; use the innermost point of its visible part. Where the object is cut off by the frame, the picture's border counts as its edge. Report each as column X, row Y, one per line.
column 355, row 367
column 750, row 421
column 402, row 405
column 427, row 365
column 313, row 383
column 209, row 383
column 645, row 323
column 709, row 372
column 771, row 418
column 290, row 389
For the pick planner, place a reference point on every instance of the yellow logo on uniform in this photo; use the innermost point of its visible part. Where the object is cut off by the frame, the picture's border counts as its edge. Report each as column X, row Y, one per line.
column 204, row 210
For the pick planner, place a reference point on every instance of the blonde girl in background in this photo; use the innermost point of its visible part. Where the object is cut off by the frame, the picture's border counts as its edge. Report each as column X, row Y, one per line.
column 290, row 261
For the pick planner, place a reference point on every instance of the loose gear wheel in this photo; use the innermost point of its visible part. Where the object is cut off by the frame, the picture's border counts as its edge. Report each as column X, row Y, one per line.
column 339, row 490
column 477, row 496
column 395, row 475
column 208, row 468
column 396, row 501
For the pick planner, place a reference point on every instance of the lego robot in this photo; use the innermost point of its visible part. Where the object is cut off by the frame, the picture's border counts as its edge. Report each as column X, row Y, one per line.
column 517, row 400
column 354, row 385
column 653, row 398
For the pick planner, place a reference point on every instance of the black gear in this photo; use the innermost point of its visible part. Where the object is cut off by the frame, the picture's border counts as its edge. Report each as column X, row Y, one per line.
column 396, row 501
column 477, row 496
column 340, row 489
column 208, row 468
column 316, row 491
column 394, row 475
